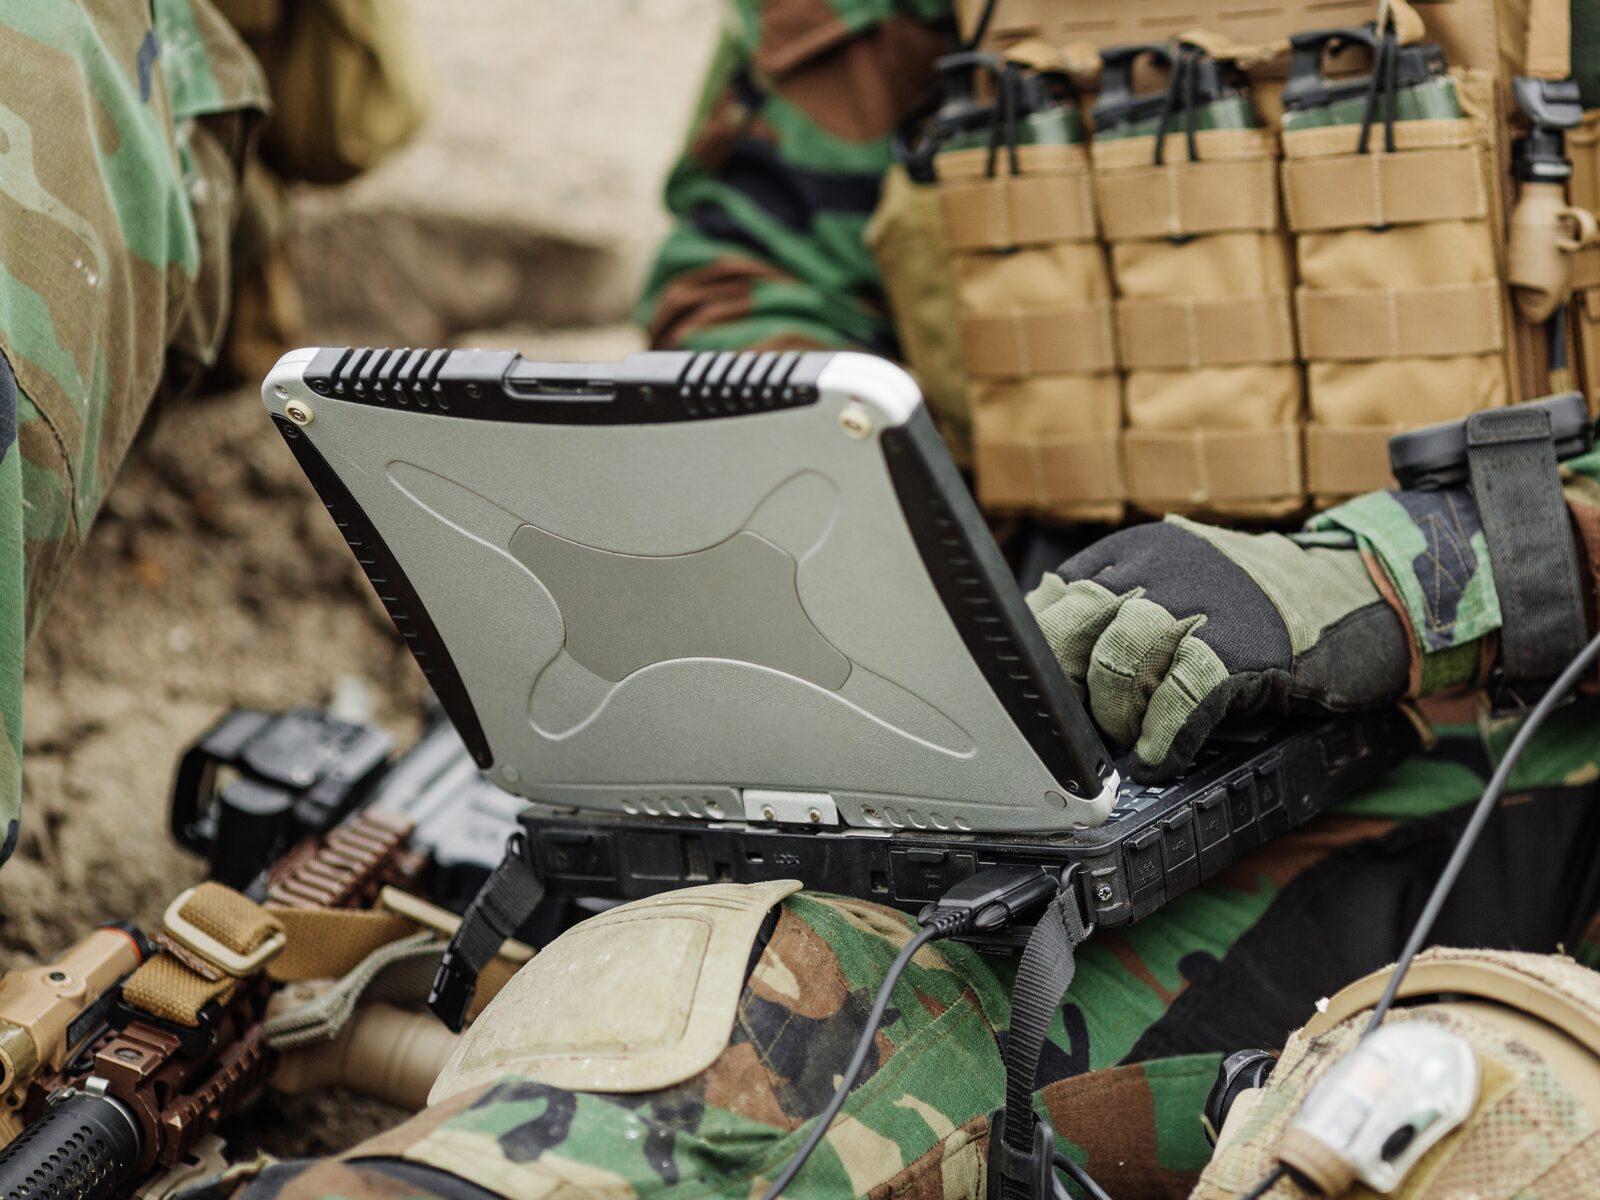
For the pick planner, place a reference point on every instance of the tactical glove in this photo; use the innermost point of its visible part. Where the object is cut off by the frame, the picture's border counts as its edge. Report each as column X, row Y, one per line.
column 1165, row 629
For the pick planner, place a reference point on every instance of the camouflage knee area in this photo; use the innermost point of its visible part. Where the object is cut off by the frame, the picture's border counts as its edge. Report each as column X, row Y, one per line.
column 121, row 130
column 914, row 1122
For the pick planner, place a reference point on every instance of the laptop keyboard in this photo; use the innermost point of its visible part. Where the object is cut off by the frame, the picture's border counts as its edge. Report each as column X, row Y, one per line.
column 1134, row 797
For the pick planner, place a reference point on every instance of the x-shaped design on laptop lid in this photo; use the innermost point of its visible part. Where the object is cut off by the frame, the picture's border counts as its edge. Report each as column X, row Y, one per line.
column 716, row 586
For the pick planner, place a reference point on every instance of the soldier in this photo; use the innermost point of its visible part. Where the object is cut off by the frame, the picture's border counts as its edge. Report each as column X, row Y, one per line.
column 113, row 269
column 1164, row 628
column 136, row 221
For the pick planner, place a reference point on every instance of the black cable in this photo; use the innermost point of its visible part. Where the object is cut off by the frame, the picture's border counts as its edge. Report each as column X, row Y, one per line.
column 1079, row 1176
column 1267, row 1183
column 942, row 925
column 1480, row 816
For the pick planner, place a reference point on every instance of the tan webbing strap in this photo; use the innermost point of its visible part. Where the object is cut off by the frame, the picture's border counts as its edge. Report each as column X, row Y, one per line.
column 1054, row 340
column 173, row 990
column 327, row 943
column 1184, row 333
column 400, row 972
column 1360, row 324
column 1345, row 460
column 1018, row 210
column 1182, row 199
column 289, row 943
column 1549, row 54
column 1367, row 191
column 1207, row 466
column 1043, row 471
column 176, row 984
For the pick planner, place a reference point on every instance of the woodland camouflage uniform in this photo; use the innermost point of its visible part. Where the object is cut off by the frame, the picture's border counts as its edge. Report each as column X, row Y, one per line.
column 773, row 199
column 123, row 128
column 140, row 238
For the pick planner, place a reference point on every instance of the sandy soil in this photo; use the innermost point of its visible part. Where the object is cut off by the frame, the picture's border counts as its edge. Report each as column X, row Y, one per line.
column 523, row 217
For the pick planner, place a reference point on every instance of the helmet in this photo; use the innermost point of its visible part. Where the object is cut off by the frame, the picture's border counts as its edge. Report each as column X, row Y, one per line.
column 1484, row 1080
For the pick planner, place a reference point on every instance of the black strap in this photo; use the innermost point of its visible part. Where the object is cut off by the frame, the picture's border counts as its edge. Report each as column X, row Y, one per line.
column 1020, row 1144
column 1516, row 484
column 507, row 899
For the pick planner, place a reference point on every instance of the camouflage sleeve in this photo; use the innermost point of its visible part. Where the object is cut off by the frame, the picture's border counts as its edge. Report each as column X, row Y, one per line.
column 112, row 269
column 1427, row 553
column 782, row 171
column 12, row 620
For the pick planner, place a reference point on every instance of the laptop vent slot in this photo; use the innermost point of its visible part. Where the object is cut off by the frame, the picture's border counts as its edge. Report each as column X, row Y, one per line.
column 498, row 385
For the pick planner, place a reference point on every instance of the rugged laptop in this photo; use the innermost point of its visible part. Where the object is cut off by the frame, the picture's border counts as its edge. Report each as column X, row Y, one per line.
column 736, row 616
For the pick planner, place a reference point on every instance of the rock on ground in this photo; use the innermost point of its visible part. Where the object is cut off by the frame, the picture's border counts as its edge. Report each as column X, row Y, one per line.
column 532, row 195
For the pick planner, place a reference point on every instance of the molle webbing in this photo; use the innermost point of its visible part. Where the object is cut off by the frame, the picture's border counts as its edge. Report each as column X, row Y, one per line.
column 1400, row 310
column 1391, row 313
column 1200, row 261
column 1036, row 330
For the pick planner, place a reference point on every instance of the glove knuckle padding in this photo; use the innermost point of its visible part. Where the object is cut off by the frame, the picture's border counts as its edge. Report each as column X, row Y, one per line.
column 1177, row 707
column 1072, row 617
column 1129, row 662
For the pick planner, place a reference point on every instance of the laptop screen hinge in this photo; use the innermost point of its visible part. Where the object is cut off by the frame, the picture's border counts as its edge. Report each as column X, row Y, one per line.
column 789, row 808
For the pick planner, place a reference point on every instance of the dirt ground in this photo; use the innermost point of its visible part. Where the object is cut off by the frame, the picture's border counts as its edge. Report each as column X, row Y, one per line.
column 523, row 217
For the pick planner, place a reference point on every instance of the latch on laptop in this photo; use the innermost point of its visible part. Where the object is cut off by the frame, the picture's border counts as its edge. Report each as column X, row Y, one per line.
column 789, row 808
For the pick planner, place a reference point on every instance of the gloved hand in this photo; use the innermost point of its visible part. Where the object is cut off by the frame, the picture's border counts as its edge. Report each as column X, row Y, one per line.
column 1166, row 628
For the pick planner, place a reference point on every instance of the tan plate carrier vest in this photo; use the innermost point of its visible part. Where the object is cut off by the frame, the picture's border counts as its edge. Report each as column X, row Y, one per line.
column 1241, row 334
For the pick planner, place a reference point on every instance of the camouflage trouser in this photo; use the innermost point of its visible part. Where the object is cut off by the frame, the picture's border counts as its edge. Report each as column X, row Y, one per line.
column 123, row 124
column 1239, row 962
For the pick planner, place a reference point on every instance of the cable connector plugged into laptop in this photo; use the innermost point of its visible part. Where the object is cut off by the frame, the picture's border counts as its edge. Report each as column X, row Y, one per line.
column 991, row 899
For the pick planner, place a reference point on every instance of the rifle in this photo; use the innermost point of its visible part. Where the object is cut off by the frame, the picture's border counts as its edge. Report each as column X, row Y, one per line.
column 258, row 793
column 112, row 1085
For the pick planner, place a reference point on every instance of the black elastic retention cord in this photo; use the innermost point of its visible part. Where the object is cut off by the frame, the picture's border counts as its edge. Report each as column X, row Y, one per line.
column 1375, row 85
column 1391, row 89
column 1013, row 78
column 1169, row 103
column 1191, row 114
column 1557, row 335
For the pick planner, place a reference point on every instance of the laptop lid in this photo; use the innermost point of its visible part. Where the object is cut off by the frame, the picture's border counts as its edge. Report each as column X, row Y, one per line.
column 716, row 586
